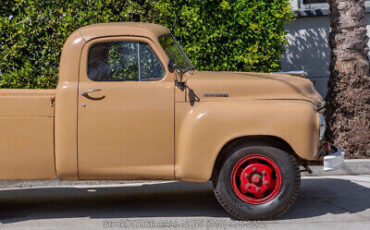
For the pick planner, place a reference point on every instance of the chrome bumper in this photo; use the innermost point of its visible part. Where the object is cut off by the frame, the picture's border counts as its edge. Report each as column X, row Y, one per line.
column 334, row 159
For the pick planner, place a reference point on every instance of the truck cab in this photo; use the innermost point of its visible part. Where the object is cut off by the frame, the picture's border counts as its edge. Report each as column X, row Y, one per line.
column 123, row 106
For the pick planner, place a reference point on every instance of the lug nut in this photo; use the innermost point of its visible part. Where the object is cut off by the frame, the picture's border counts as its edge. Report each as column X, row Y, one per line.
column 265, row 182
column 264, row 172
column 254, row 169
column 246, row 175
column 258, row 189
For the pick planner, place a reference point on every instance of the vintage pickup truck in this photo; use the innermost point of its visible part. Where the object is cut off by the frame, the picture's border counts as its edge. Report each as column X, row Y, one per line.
column 130, row 105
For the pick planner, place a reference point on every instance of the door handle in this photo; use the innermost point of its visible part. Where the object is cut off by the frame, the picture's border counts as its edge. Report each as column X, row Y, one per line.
column 86, row 94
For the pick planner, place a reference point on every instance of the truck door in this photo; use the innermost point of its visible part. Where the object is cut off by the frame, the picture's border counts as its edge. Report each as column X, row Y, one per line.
column 125, row 111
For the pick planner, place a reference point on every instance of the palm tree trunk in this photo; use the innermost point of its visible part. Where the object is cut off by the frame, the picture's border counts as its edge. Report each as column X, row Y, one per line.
column 348, row 107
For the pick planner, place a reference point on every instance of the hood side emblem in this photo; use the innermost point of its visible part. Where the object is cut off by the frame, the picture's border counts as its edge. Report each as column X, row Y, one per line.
column 215, row 95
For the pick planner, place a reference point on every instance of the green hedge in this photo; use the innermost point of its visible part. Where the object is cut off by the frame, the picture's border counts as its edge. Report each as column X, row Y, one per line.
column 239, row 35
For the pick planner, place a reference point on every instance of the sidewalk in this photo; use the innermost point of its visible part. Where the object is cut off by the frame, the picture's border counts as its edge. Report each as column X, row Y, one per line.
column 352, row 167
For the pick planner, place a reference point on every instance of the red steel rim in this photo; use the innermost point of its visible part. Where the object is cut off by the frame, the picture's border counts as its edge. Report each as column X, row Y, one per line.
column 256, row 179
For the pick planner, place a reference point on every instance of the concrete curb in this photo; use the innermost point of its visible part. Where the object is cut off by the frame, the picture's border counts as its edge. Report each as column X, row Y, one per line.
column 39, row 184
column 352, row 167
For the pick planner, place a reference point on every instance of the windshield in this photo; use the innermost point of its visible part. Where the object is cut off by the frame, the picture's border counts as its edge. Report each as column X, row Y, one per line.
column 175, row 52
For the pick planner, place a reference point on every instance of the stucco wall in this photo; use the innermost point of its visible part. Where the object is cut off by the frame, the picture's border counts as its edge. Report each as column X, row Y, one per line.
column 308, row 48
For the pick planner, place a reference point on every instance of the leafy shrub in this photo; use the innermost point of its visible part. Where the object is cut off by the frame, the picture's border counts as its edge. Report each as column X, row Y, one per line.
column 239, row 35
column 234, row 35
column 32, row 33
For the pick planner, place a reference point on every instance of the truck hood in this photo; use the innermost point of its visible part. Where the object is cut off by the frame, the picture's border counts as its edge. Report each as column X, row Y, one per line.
column 211, row 86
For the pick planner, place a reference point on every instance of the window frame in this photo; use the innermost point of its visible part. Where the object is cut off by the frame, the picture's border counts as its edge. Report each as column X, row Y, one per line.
column 322, row 5
column 302, row 5
column 314, row 2
column 181, row 49
column 137, row 40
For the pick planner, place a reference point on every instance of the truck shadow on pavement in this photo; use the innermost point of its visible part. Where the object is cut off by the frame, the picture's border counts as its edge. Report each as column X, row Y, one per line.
column 319, row 196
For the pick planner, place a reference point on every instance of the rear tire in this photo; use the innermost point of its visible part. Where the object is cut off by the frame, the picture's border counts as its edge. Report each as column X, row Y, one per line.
column 257, row 182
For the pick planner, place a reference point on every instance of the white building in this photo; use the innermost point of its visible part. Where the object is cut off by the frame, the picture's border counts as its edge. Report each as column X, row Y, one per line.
column 308, row 47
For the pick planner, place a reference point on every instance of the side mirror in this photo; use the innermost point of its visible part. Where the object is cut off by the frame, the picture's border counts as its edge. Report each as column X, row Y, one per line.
column 171, row 66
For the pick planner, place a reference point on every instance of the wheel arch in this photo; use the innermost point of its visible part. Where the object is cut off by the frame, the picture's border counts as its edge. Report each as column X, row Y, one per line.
column 273, row 141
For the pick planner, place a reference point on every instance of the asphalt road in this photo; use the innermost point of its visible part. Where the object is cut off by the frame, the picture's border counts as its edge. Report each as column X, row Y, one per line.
column 336, row 202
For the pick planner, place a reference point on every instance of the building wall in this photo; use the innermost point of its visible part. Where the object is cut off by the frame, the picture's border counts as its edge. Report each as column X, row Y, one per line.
column 308, row 47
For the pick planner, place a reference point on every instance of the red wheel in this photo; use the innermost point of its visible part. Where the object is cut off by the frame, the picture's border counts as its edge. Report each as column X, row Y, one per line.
column 256, row 179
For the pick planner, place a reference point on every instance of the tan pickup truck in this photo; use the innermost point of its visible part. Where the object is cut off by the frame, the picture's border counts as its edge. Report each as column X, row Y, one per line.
column 130, row 105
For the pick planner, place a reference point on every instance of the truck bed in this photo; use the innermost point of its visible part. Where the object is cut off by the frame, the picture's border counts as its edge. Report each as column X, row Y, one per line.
column 27, row 134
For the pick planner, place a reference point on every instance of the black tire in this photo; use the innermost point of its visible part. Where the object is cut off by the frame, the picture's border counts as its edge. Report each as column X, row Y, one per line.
column 278, row 205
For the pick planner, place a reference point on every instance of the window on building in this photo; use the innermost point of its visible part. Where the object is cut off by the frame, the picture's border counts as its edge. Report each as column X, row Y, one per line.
column 123, row 61
column 312, row 4
column 314, row 1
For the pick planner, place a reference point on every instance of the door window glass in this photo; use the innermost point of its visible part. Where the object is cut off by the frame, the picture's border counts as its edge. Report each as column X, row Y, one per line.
column 123, row 61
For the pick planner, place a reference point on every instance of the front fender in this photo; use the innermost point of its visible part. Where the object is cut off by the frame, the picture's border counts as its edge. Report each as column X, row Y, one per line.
column 203, row 129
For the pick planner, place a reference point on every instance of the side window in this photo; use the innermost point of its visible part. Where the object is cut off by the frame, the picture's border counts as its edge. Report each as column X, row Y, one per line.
column 150, row 66
column 123, row 61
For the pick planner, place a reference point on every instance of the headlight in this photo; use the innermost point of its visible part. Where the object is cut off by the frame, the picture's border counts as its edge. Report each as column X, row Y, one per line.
column 322, row 126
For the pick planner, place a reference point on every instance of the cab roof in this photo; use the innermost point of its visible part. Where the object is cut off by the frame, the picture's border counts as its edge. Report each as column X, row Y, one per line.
column 71, row 53
column 152, row 31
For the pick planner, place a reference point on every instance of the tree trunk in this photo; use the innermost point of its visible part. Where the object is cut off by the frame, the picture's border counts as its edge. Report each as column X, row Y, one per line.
column 348, row 99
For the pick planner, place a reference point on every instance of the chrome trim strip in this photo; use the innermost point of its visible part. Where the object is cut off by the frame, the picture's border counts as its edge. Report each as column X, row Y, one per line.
column 215, row 95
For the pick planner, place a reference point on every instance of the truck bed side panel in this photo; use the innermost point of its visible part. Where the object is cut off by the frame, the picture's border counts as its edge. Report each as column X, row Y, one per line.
column 26, row 134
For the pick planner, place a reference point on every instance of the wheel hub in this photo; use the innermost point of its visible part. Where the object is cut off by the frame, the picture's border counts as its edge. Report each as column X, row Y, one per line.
column 256, row 179
column 256, row 182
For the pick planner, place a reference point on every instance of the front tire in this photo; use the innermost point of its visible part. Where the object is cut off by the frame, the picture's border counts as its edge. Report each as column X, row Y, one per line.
column 257, row 182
